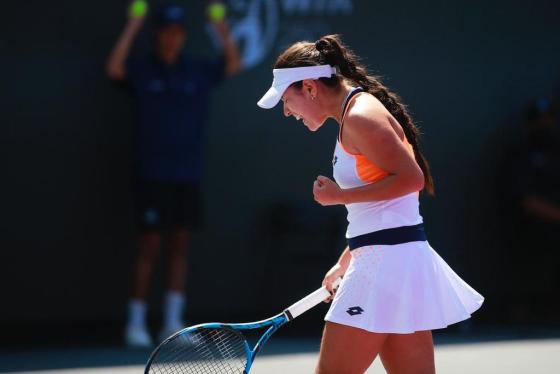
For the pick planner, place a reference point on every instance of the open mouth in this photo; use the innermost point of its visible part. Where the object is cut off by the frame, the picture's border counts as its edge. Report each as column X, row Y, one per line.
column 300, row 118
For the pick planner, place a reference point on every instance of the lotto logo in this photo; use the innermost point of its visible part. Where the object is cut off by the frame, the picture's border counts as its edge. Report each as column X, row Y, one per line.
column 354, row 310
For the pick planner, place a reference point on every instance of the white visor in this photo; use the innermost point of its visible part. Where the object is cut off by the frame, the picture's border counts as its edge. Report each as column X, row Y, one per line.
column 283, row 78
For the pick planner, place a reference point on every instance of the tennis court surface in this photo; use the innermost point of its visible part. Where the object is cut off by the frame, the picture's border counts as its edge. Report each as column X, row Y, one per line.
column 535, row 356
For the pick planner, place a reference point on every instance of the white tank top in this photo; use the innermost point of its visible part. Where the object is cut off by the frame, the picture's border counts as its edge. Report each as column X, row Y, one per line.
column 354, row 170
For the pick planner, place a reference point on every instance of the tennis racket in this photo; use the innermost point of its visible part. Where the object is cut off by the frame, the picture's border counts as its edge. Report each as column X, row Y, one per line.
column 222, row 347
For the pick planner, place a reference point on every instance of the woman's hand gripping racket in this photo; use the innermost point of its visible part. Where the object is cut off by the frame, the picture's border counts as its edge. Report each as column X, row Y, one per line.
column 221, row 347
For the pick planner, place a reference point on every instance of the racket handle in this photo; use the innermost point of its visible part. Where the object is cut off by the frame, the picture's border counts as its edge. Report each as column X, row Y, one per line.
column 310, row 301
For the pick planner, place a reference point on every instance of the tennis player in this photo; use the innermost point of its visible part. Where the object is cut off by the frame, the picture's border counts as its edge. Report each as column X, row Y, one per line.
column 396, row 288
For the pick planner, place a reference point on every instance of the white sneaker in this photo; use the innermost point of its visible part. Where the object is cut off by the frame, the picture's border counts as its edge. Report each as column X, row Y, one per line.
column 167, row 331
column 137, row 337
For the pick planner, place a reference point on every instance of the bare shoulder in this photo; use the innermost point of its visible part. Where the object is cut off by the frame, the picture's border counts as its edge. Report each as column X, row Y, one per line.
column 369, row 129
column 367, row 115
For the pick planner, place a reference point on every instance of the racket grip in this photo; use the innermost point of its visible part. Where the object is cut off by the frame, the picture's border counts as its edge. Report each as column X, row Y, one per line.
column 309, row 301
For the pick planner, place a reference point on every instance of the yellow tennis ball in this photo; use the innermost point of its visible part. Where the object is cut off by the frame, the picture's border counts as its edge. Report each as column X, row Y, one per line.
column 217, row 12
column 138, row 8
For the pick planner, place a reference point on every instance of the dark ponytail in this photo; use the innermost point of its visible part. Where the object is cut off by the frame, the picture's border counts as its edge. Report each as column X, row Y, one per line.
column 330, row 50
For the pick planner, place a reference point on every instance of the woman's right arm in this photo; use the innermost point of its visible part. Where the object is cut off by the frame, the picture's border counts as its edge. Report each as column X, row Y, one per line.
column 338, row 270
column 116, row 63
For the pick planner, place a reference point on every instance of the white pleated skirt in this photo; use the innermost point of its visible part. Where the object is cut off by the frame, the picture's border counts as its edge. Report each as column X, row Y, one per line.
column 401, row 289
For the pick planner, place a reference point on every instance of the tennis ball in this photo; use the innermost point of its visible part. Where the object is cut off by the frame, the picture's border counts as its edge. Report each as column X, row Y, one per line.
column 217, row 12
column 138, row 8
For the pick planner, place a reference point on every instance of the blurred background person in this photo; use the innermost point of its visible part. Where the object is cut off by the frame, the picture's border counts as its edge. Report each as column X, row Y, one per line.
column 171, row 92
column 534, row 179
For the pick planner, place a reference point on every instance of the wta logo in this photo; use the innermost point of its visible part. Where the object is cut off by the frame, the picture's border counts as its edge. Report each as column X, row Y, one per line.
column 263, row 26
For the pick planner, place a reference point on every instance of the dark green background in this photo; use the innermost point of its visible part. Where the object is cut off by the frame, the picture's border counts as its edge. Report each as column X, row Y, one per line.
column 464, row 68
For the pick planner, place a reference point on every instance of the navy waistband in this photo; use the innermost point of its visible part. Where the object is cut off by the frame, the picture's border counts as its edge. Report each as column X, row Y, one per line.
column 392, row 236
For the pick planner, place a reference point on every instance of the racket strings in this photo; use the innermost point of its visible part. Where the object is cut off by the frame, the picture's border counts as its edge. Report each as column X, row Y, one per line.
column 202, row 351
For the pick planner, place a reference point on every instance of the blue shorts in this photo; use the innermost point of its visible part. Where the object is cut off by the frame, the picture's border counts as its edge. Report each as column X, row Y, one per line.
column 166, row 205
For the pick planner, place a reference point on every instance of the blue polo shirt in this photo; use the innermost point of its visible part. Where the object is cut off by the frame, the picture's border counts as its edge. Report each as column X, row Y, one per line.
column 171, row 107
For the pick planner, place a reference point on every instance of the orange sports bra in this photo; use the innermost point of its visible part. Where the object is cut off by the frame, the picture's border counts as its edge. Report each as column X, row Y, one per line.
column 367, row 171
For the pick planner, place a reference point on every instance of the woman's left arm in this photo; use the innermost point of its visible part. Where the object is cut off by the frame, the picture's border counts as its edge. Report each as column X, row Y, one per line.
column 374, row 138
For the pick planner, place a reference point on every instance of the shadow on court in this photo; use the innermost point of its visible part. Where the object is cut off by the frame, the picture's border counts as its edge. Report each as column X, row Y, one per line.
column 99, row 357
column 112, row 357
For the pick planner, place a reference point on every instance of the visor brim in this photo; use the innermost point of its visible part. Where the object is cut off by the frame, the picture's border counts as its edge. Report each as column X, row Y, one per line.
column 273, row 96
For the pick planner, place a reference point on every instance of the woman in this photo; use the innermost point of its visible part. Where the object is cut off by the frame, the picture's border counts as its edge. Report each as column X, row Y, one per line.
column 395, row 287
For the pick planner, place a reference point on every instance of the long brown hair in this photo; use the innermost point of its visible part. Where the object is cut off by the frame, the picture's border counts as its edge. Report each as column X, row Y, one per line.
column 330, row 50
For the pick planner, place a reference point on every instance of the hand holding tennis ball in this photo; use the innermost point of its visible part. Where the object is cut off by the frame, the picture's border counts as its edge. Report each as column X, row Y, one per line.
column 138, row 9
column 217, row 11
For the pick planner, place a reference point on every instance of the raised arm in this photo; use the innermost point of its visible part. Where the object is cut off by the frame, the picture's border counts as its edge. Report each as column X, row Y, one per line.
column 115, row 66
column 231, row 52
